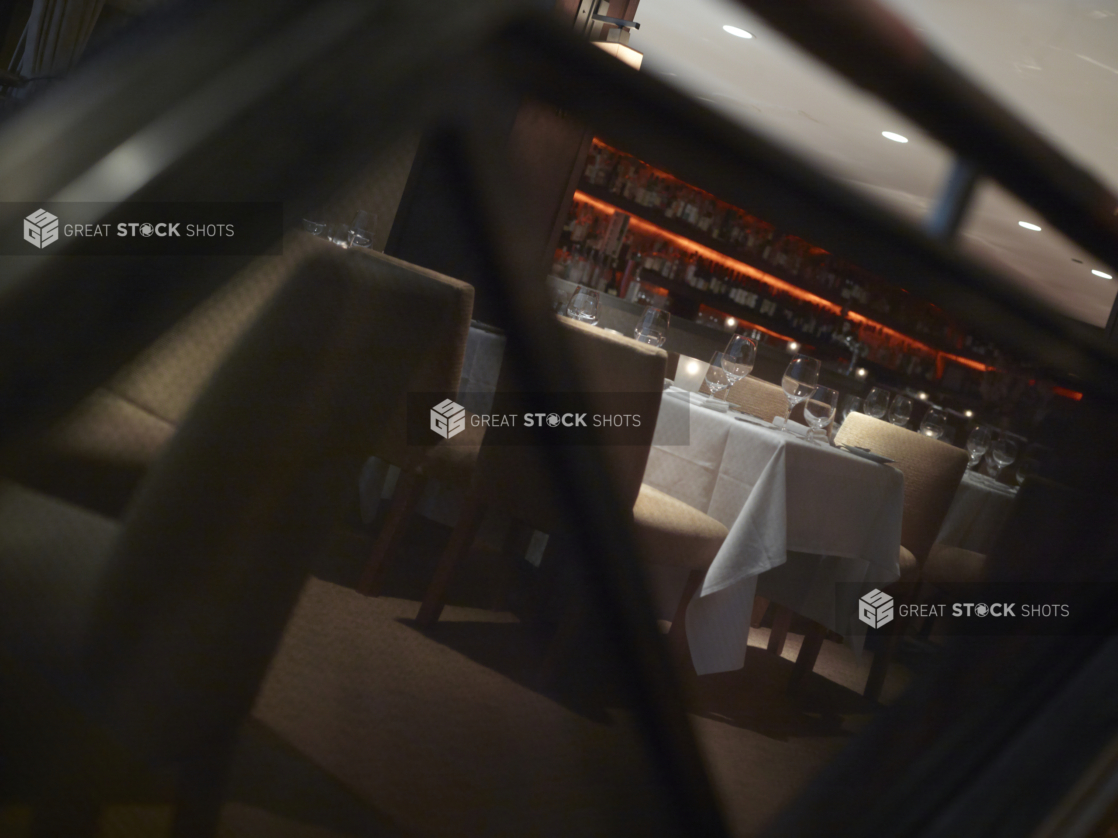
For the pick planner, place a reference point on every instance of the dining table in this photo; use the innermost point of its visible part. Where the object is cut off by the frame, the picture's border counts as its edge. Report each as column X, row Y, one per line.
column 812, row 526
column 978, row 512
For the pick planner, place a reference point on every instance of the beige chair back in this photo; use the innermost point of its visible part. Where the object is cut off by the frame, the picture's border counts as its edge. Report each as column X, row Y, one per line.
column 759, row 398
column 517, row 479
column 932, row 473
column 100, row 451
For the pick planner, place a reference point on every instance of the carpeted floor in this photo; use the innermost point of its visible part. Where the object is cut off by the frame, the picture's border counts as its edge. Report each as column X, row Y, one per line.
column 366, row 726
column 450, row 732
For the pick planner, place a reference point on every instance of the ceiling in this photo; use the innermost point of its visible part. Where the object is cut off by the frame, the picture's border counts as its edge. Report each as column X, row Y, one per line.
column 1054, row 62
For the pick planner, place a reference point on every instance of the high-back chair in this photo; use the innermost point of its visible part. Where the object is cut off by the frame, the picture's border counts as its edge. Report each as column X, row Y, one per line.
column 932, row 473
column 758, row 398
column 97, row 455
column 516, row 478
column 136, row 649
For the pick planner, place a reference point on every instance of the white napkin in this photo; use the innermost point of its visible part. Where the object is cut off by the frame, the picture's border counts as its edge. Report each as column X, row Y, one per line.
column 794, row 427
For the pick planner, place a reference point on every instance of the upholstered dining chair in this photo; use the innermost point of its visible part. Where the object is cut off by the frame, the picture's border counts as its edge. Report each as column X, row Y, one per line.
column 932, row 473
column 98, row 454
column 758, row 398
column 130, row 652
column 516, row 480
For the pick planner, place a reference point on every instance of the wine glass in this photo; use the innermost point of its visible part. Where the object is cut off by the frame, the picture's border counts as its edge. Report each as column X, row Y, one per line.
column 584, row 305
column 877, row 403
column 850, row 404
column 800, row 380
column 738, row 358
column 819, row 410
column 359, row 233
column 901, row 410
column 315, row 228
column 652, row 326
column 716, row 377
column 934, row 423
column 1004, row 452
column 977, row 444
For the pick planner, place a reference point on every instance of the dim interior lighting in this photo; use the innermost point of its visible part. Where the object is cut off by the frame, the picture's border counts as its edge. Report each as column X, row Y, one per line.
column 1103, row 275
column 689, row 246
column 731, row 322
column 793, row 347
column 861, row 373
column 1028, row 226
column 897, row 138
column 737, row 33
column 969, row 414
column 692, row 367
column 922, row 396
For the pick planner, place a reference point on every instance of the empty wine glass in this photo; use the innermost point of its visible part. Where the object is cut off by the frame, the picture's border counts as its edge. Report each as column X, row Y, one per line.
column 359, row 233
column 584, row 306
column 800, row 380
column 850, row 404
column 738, row 358
column 652, row 326
column 901, row 410
column 877, row 403
column 819, row 410
column 1004, row 452
column 934, row 423
column 977, row 444
column 716, row 377
column 315, row 228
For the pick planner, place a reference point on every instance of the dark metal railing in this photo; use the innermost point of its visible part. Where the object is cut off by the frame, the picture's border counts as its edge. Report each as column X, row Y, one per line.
column 339, row 81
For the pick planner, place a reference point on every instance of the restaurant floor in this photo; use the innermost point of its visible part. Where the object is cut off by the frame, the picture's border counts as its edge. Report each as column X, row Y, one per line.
column 368, row 726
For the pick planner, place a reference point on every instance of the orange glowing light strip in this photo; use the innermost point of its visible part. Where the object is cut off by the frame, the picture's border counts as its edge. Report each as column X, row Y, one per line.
column 714, row 255
column 774, row 282
column 1067, row 394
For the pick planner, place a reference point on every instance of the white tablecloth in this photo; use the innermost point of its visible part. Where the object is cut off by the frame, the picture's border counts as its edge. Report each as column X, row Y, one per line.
column 485, row 346
column 977, row 514
column 778, row 495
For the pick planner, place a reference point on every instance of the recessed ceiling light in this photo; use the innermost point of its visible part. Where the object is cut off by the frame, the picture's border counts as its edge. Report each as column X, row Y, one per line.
column 861, row 372
column 793, row 347
column 1100, row 273
column 897, row 138
column 1028, row 226
column 969, row 414
column 737, row 33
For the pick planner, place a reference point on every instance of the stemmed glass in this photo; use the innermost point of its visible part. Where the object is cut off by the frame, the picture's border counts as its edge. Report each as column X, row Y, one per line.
column 901, row 410
column 800, row 380
column 738, row 358
column 652, row 326
column 934, row 423
column 584, row 306
column 819, row 410
column 877, row 403
column 716, row 377
column 359, row 233
column 977, row 444
column 850, row 404
column 1004, row 452
column 315, row 228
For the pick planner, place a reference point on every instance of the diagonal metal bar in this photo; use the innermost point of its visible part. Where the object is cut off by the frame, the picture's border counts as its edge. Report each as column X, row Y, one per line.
column 607, row 548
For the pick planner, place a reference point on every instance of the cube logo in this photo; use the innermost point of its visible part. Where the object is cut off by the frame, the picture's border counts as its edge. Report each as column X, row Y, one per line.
column 448, row 418
column 875, row 609
column 40, row 228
